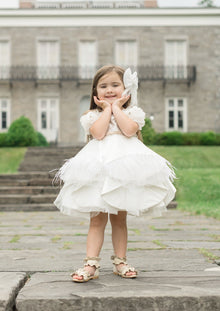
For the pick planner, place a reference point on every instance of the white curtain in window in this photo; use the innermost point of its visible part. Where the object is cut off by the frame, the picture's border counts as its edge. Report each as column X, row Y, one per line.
column 87, row 59
column 126, row 53
column 4, row 59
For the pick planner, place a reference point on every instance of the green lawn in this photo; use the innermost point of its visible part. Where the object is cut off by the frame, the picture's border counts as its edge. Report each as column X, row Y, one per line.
column 198, row 177
column 10, row 159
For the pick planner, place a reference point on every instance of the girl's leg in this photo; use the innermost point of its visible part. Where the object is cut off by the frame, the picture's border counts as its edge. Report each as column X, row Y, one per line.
column 95, row 239
column 120, row 235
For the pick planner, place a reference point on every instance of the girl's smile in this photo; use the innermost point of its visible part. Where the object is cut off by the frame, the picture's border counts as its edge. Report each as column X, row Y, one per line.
column 110, row 87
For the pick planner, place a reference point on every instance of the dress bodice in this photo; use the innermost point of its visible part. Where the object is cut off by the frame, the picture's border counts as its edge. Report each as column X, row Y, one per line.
column 135, row 113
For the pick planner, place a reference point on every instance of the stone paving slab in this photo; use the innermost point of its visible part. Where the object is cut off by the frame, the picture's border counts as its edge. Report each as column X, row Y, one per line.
column 150, row 291
column 147, row 260
column 174, row 254
column 10, row 284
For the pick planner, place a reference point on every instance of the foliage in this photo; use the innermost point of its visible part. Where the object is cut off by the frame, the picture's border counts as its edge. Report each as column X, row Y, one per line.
column 150, row 137
column 169, row 138
column 3, row 140
column 206, row 3
column 208, row 138
column 21, row 133
column 148, row 133
column 41, row 140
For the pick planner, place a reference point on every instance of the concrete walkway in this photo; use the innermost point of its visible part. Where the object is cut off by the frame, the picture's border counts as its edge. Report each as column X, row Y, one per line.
column 175, row 256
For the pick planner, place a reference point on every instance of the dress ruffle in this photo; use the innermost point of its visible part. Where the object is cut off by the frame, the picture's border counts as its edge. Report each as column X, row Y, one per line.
column 116, row 174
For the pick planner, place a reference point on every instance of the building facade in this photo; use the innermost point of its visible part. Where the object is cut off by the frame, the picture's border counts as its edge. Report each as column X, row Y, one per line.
column 48, row 57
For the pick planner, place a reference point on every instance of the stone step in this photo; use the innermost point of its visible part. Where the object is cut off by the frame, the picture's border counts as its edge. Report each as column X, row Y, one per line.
column 28, row 207
column 28, row 190
column 24, row 199
column 26, row 182
column 150, row 291
column 27, row 175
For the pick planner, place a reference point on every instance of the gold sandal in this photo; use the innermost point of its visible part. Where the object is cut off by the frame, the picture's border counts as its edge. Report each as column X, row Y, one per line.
column 121, row 271
column 89, row 261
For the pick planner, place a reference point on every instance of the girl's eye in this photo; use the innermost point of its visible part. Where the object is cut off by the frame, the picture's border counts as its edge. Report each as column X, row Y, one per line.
column 115, row 85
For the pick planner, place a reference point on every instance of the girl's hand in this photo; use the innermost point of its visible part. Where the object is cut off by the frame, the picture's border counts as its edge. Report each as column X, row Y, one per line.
column 121, row 101
column 101, row 103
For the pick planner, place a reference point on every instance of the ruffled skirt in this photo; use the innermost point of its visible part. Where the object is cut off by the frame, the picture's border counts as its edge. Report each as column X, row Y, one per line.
column 115, row 174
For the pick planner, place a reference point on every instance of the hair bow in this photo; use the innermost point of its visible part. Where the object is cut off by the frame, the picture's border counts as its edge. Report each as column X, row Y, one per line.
column 131, row 85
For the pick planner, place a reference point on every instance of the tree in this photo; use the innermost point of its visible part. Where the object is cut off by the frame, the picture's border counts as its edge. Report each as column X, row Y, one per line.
column 206, row 3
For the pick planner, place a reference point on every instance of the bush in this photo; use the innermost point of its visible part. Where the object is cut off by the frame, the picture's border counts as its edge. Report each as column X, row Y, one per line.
column 169, row 138
column 191, row 139
column 208, row 138
column 41, row 140
column 218, row 139
column 148, row 133
column 3, row 140
column 21, row 133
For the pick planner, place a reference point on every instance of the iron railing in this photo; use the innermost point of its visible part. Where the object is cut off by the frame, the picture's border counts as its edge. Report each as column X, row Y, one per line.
column 77, row 73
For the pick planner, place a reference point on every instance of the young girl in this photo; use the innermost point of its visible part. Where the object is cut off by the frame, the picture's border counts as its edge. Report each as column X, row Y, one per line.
column 115, row 174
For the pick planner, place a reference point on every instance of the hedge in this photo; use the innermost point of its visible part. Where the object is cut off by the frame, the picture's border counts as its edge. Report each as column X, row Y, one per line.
column 150, row 137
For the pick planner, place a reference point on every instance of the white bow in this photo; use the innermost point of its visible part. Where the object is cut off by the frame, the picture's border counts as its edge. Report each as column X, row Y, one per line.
column 131, row 85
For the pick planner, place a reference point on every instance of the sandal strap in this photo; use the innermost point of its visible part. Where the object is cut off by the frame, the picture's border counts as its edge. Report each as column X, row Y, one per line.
column 118, row 260
column 92, row 261
column 81, row 272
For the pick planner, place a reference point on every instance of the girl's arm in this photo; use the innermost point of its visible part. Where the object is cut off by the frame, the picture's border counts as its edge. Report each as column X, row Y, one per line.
column 126, row 125
column 100, row 127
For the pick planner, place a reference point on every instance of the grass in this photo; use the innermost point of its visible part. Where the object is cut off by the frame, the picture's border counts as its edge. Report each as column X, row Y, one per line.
column 10, row 159
column 15, row 239
column 209, row 255
column 198, row 177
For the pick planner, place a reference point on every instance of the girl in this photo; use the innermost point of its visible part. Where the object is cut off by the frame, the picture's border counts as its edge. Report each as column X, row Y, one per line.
column 115, row 173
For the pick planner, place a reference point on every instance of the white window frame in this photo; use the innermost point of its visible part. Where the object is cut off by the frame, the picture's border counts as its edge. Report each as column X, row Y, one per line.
column 5, row 69
column 8, row 111
column 176, row 70
column 46, row 132
column 176, row 109
column 87, row 71
column 47, row 72
column 126, row 63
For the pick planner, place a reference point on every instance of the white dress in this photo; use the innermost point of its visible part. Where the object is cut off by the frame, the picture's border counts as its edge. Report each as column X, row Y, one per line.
column 117, row 173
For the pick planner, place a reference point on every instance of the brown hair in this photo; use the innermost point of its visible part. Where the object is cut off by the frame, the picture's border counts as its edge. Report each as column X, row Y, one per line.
column 99, row 74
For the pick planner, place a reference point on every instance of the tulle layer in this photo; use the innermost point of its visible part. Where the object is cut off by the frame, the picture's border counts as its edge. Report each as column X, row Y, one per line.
column 116, row 174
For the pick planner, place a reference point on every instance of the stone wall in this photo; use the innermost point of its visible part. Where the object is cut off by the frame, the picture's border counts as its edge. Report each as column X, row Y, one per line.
column 203, row 96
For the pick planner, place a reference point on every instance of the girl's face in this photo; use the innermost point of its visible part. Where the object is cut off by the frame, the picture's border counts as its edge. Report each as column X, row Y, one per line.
column 110, row 87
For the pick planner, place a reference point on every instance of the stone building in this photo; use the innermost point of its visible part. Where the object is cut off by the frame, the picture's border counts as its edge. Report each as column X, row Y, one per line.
column 50, row 51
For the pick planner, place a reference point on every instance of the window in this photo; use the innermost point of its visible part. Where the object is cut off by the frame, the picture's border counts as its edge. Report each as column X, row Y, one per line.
column 48, row 118
column 87, row 59
column 4, row 59
column 4, row 114
column 175, row 59
column 126, row 53
column 48, row 59
column 176, row 114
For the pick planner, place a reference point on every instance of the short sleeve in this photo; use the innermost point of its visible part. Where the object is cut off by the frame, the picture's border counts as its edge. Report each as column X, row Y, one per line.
column 88, row 119
column 137, row 115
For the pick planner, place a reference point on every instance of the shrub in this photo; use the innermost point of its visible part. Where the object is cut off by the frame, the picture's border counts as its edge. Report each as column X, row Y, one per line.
column 169, row 138
column 148, row 133
column 218, row 139
column 3, row 140
column 41, row 140
column 21, row 133
column 208, row 138
column 191, row 139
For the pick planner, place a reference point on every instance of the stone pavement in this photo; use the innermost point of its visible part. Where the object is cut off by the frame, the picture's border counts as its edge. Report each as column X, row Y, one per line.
column 176, row 257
